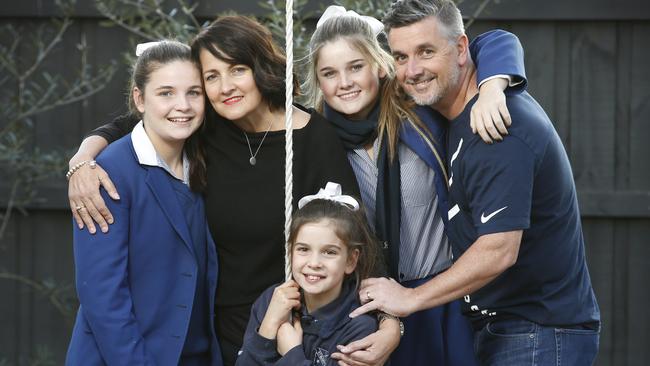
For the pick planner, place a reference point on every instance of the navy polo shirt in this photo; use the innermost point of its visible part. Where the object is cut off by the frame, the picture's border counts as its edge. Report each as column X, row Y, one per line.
column 522, row 183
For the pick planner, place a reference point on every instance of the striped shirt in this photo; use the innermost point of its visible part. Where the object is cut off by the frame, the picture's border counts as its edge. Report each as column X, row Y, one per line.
column 424, row 249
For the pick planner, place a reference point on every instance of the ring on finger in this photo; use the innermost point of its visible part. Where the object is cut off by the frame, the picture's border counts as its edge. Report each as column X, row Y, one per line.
column 79, row 208
column 368, row 296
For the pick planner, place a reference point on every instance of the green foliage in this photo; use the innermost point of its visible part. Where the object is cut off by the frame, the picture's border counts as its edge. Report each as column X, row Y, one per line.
column 42, row 356
column 60, row 295
column 275, row 20
column 29, row 90
column 150, row 20
column 373, row 8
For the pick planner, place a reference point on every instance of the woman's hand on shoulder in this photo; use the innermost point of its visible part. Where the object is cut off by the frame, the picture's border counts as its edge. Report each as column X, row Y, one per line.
column 489, row 116
column 86, row 203
column 285, row 298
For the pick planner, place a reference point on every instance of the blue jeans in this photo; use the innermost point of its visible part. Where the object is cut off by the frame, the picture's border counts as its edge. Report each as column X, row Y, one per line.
column 522, row 342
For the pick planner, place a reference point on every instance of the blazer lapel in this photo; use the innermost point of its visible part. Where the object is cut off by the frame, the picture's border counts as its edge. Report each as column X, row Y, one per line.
column 425, row 150
column 158, row 182
column 433, row 121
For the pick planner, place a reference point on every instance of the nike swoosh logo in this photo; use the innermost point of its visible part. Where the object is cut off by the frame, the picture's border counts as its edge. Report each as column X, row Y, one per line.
column 487, row 218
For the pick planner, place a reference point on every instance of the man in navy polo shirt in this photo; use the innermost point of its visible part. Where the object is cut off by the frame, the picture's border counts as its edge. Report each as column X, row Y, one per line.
column 513, row 217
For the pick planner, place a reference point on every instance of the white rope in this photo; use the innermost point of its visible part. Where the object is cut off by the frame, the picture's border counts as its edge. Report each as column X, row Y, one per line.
column 288, row 168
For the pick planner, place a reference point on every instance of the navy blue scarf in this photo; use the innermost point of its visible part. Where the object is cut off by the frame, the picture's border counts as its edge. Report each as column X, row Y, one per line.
column 356, row 134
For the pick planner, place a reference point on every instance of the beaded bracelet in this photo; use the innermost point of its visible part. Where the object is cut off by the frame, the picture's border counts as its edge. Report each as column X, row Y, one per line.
column 381, row 316
column 91, row 163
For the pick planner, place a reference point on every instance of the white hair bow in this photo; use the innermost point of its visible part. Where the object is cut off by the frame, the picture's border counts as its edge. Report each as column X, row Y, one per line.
column 331, row 192
column 141, row 47
column 334, row 11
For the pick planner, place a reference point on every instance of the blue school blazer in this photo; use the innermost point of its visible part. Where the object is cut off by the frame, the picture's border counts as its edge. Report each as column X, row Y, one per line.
column 136, row 283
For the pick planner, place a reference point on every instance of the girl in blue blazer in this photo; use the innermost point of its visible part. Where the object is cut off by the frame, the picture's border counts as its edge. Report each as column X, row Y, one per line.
column 146, row 288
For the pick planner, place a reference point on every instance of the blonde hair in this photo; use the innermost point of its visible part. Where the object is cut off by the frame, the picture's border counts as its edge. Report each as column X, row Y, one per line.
column 395, row 106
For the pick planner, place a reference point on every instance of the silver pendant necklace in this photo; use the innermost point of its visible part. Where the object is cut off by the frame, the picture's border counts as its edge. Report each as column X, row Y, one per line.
column 253, row 160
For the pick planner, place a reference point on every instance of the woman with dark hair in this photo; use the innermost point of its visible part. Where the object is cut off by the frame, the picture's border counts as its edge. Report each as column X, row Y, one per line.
column 243, row 73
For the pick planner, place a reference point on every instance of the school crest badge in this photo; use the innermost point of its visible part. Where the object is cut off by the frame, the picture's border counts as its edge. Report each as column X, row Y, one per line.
column 321, row 357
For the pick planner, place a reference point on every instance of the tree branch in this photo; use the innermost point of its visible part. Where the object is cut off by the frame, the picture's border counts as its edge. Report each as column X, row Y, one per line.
column 44, row 52
column 52, row 293
column 478, row 12
column 10, row 205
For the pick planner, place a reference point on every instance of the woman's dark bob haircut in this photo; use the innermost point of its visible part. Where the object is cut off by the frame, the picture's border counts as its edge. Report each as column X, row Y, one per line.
column 237, row 39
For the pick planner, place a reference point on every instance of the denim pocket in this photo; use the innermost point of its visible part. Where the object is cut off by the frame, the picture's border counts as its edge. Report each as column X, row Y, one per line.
column 507, row 342
column 585, row 331
column 511, row 328
column 577, row 347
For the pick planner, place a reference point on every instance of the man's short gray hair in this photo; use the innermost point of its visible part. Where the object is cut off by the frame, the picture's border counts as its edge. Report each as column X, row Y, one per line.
column 407, row 12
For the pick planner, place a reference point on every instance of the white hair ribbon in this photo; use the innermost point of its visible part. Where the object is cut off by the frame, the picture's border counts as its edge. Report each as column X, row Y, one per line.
column 334, row 11
column 141, row 47
column 331, row 192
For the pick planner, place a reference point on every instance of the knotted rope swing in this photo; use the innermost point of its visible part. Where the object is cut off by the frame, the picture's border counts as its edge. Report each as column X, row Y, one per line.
column 288, row 167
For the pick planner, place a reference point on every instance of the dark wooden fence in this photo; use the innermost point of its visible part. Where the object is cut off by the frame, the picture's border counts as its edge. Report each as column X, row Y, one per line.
column 586, row 64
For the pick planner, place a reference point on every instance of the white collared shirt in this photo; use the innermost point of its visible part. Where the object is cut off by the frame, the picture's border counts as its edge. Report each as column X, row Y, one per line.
column 147, row 154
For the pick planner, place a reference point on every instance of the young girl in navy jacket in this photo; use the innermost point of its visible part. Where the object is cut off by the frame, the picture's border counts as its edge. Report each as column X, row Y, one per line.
column 332, row 250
